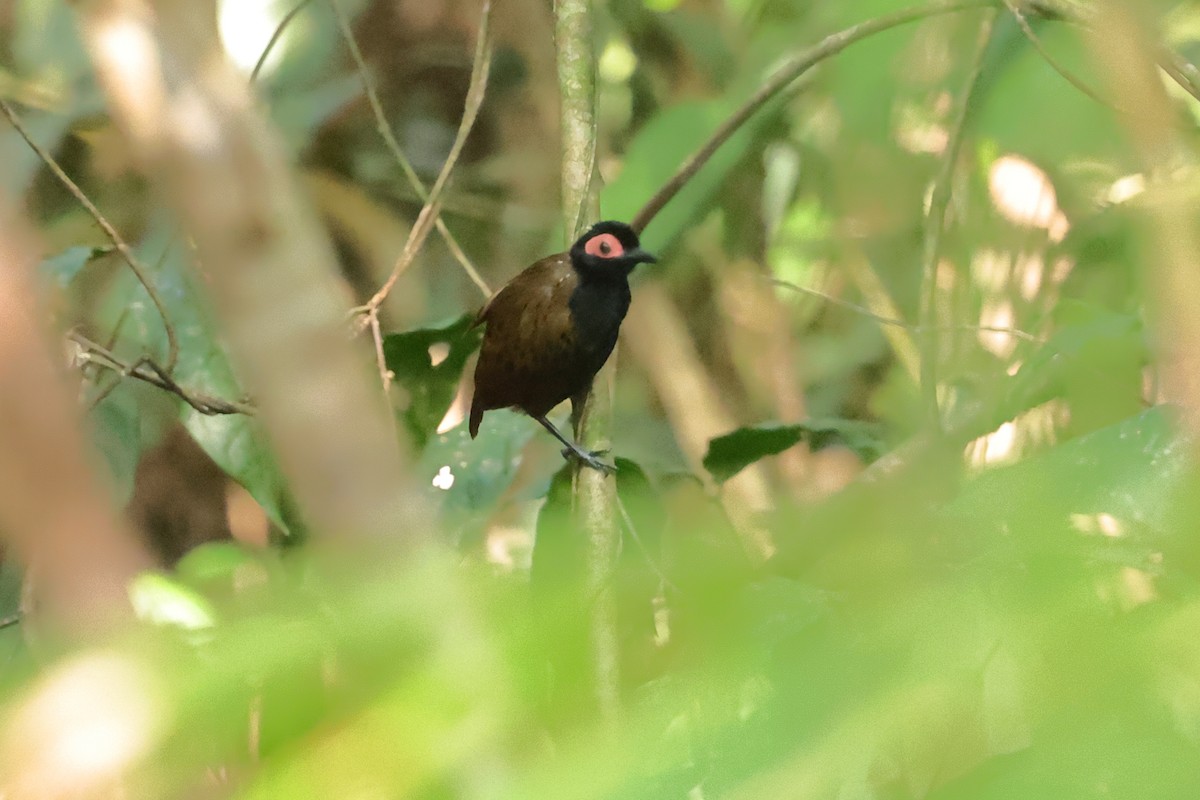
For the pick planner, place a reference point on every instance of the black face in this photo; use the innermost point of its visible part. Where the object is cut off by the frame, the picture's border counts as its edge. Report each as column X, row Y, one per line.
column 608, row 249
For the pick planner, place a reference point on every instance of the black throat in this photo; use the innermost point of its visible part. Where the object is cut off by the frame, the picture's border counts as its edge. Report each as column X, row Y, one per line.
column 597, row 309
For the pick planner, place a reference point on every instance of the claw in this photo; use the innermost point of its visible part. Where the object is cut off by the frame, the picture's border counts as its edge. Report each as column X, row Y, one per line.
column 590, row 459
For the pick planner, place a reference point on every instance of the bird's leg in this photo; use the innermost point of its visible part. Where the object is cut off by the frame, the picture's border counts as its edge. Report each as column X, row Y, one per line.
column 580, row 408
column 573, row 449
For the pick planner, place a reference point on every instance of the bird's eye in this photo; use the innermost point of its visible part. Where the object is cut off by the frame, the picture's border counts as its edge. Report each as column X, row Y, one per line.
column 605, row 248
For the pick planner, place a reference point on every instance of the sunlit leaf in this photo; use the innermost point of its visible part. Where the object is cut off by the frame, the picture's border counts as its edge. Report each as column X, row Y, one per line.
column 1128, row 471
column 466, row 476
column 163, row 601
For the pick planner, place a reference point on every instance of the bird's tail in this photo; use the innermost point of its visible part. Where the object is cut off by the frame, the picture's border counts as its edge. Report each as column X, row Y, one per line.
column 476, row 418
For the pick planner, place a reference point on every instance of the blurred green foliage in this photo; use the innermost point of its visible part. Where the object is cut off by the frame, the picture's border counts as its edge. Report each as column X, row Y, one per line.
column 1003, row 607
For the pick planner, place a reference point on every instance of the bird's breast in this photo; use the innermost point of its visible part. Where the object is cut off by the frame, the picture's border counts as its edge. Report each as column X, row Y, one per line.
column 597, row 312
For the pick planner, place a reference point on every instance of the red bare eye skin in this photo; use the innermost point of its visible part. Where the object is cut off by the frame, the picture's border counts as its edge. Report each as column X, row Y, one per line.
column 604, row 246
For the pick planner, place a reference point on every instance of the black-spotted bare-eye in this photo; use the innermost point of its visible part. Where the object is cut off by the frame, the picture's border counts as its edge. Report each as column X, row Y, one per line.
column 604, row 245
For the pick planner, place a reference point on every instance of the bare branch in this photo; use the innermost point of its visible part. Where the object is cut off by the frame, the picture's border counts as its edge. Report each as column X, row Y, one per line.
column 425, row 220
column 899, row 323
column 135, row 264
column 389, row 139
column 144, row 369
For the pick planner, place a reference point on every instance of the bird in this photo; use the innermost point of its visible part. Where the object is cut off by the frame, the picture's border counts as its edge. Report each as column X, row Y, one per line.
column 550, row 329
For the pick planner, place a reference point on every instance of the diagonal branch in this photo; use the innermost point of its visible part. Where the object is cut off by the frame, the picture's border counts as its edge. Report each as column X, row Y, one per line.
column 146, row 370
column 55, row 514
column 135, row 264
column 1036, row 43
column 268, row 265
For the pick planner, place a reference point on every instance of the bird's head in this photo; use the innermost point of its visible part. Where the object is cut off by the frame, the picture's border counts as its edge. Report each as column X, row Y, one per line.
column 608, row 250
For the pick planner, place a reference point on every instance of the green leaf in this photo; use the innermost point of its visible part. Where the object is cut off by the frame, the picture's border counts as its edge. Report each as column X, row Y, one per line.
column 12, row 639
column 1129, row 471
column 62, row 268
column 729, row 454
column 428, row 362
column 163, row 601
column 235, row 442
column 469, row 475
column 1094, row 348
column 117, row 434
column 212, row 563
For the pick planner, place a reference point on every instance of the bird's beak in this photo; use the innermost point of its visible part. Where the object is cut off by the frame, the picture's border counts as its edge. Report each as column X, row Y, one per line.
column 640, row 256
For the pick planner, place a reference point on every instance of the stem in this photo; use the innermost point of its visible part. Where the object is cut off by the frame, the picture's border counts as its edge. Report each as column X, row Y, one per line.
column 275, row 36
column 139, row 269
column 595, row 493
column 935, row 224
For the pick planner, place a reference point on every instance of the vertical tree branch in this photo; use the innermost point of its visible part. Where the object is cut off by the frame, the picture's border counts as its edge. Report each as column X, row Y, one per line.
column 192, row 121
column 1125, row 50
column 595, row 493
column 78, row 552
column 935, row 223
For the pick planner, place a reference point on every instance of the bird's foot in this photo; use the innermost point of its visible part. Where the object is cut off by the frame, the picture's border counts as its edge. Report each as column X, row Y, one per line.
column 590, row 459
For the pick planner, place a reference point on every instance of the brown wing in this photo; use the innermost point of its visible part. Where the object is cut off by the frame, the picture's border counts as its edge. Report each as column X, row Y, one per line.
column 529, row 347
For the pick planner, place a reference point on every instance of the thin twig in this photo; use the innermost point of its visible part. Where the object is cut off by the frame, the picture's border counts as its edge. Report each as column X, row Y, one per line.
column 637, row 539
column 1177, row 68
column 1036, row 42
column 935, row 222
column 1016, row 333
column 829, row 46
column 386, row 376
column 139, row 269
column 275, row 35
column 1180, row 70
column 389, row 139
column 146, row 370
